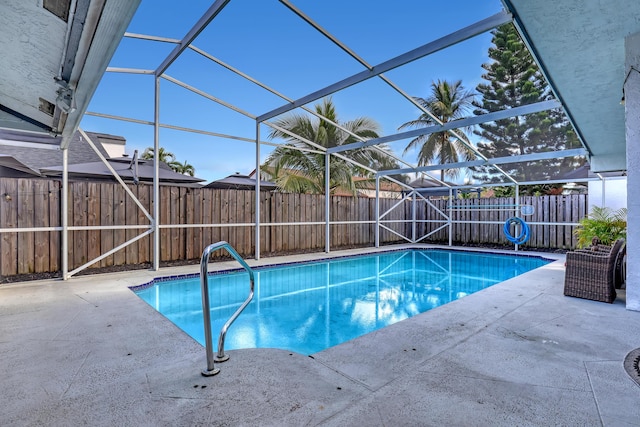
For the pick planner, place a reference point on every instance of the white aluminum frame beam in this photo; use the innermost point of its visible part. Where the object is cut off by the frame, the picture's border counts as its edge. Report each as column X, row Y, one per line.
column 207, row 95
column 455, row 124
column 495, row 161
column 202, row 23
column 472, row 30
column 257, row 195
column 186, row 129
column 151, row 38
column 129, row 70
column 156, row 174
column 65, row 214
column 546, row 181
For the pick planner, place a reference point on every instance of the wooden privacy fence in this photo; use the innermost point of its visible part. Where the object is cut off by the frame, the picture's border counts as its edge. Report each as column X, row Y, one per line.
column 190, row 219
column 480, row 221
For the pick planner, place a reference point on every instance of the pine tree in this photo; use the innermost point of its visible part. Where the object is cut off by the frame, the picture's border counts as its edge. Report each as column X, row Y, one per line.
column 514, row 79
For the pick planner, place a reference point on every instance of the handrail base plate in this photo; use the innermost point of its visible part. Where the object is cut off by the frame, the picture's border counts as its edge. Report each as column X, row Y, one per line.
column 221, row 359
column 210, row 373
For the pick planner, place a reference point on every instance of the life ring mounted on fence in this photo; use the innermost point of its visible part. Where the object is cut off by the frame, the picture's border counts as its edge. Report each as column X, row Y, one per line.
column 524, row 230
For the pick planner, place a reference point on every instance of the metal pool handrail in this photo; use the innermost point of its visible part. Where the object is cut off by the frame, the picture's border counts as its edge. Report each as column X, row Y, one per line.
column 206, row 314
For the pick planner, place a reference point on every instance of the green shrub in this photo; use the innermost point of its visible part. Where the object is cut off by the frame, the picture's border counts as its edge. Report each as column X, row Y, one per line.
column 604, row 223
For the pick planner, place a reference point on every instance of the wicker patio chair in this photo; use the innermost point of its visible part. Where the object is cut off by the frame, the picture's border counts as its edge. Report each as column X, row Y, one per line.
column 591, row 273
column 620, row 267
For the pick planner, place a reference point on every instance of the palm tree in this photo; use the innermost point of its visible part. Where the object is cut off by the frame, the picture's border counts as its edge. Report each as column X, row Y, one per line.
column 163, row 155
column 447, row 102
column 183, row 168
column 170, row 159
column 297, row 169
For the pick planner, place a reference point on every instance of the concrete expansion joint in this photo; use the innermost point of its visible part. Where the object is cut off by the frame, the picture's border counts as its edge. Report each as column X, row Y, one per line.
column 343, row 374
column 87, row 301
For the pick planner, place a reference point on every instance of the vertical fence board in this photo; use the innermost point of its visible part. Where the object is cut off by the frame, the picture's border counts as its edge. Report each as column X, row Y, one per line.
column 207, row 207
column 146, row 243
column 244, row 214
column 579, row 211
column 79, row 218
column 26, row 241
column 190, row 215
column 316, row 230
column 222, row 214
column 292, row 230
column 265, row 218
column 250, row 218
column 119, row 218
column 302, row 229
column 107, row 219
column 539, row 218
column 237, row 216
column 216, row 232
column 182, row 219
column 568, row 229
column 333, row 214
column 94, row 219
column 271, row 205
column 294, row 216
column 9, row 219
column 41, row 219
column 274, row 229
column 232, row 217
column 552, row 229
column 174, row 218
column 131, row 212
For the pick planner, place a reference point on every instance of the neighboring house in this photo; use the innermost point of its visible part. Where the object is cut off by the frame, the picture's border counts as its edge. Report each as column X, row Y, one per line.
column 238, row 181
column 112, row 144
column 35, row 158
column 367, row 188
column 130, row 169
column 610, row 191
column 25, row 159
column 431, row 188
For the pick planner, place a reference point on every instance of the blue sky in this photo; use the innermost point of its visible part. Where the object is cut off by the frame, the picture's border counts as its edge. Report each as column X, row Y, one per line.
column 265, row 40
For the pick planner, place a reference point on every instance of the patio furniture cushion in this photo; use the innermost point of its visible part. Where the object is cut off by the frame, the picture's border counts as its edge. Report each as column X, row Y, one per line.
column 591, row 274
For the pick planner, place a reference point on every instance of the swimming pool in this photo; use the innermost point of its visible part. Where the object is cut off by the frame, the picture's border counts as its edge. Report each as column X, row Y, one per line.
column 308, row 307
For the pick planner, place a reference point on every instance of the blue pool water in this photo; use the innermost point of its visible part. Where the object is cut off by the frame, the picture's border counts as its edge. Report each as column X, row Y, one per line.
column 309, row 307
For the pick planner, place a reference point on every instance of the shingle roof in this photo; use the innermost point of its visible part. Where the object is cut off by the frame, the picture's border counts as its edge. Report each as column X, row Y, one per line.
column 37, row 158
column 124, row 167
column 241, row 182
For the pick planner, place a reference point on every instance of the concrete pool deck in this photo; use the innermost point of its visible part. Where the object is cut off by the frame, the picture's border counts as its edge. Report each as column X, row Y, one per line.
column 90, row 352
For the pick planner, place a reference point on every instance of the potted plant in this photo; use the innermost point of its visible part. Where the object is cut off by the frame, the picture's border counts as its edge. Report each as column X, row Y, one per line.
column 603, row 223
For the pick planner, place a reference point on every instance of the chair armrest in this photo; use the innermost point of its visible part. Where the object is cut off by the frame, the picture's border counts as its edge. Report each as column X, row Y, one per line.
column 581, row 253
